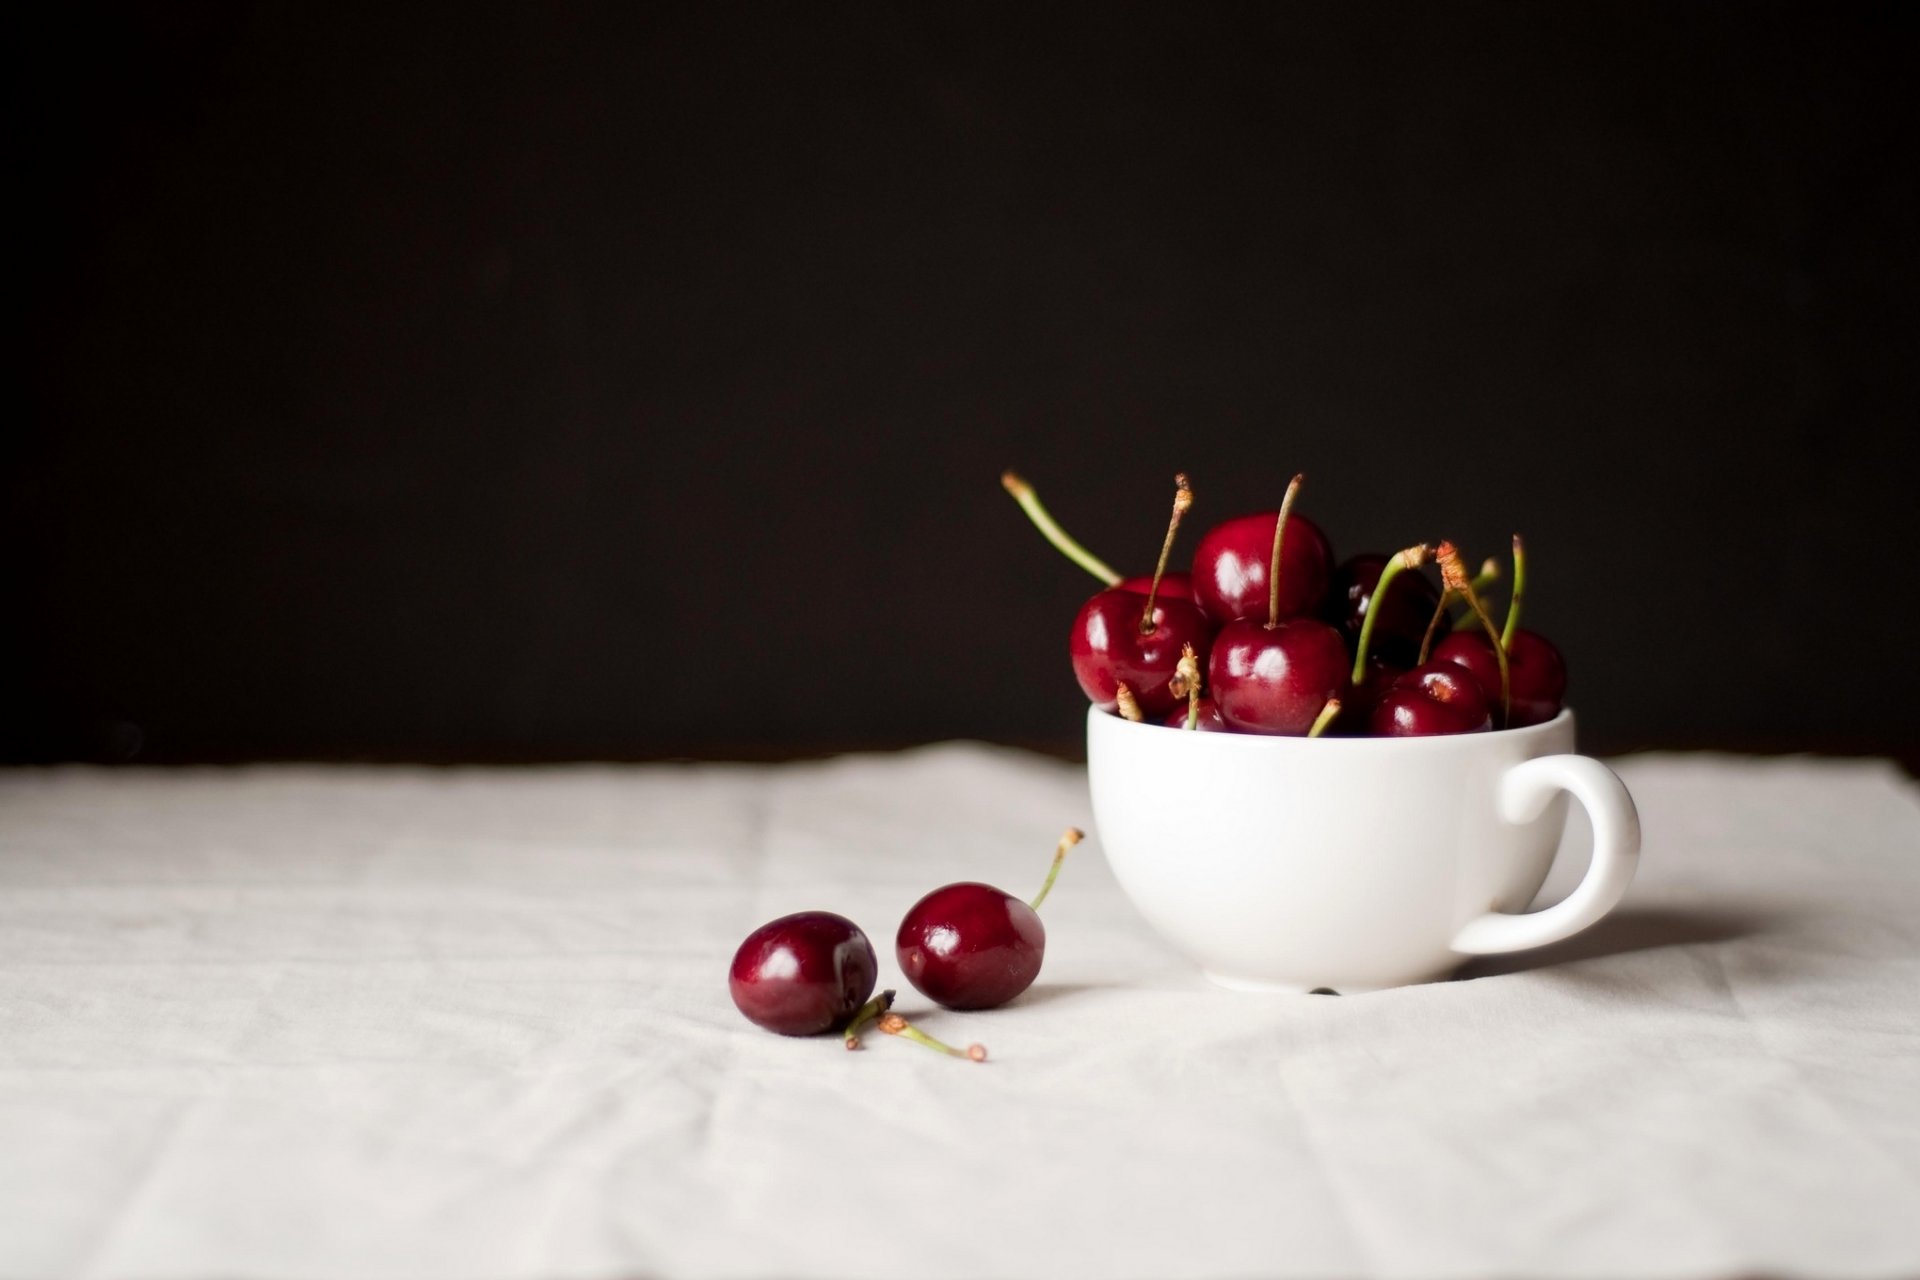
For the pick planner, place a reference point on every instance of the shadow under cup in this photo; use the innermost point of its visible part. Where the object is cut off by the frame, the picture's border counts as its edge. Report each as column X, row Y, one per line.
column 1351, row 863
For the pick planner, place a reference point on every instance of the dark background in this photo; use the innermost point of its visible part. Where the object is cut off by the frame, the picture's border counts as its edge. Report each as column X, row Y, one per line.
column 531, row 381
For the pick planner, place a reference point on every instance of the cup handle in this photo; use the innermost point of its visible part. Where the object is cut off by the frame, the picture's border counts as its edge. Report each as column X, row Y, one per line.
column 1525, row 791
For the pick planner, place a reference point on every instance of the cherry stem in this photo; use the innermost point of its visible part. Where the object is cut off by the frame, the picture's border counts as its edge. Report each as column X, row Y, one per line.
column 1279, row 536
column 1071, row 837
column 1030, row 503
column 1519, row 593
column 1411, row 558
column 1433, row 625
column 1186, row 683
column 1326, row 717
column 1454, row 573
column 1129, row 705
column 895, row 1025
column 865, row 1014
column 1488, row 575
column 1182, row 499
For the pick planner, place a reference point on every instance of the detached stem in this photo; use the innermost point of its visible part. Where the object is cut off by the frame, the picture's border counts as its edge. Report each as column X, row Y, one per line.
column 1454, row 574
column 1030, row 503
column 1411, row 558
column 895, row 1025
column 1071, row 837
column 1182, row 499
column 867, row 1013
column 1279, row 536
column 1328, row 714
column 1519, row 593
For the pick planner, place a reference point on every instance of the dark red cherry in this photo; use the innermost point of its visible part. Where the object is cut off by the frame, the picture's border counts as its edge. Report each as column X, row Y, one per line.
column 1209, row 722
column 1537, row 673
column 1439, row 698
column 1410, row 601
column 1360, row 699
column 1230, row 568
column 1276, row 679
column 972, row 946
column 803, row 974
column 1108, row 647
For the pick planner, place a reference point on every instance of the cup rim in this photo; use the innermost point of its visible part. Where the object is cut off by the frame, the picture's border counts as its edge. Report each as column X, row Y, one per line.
column 1279, row 742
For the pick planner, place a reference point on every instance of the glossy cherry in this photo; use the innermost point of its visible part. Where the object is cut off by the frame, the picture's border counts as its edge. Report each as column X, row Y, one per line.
column 1439, row 698
column 803, row 974
column 1375, row 679
column 1409, row 602
column 1536, row 671
column 1121, row 636
column 1276, row 679
column 972, row 946
column 1107, row 647
column 1276, row 676
column 1232, row 562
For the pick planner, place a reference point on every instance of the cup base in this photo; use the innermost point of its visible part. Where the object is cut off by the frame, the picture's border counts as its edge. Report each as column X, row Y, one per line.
column 1264, row 986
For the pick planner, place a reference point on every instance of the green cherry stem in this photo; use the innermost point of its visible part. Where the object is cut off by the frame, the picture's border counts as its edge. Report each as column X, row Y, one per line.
column 1519, row 593
column 1071, row 837
column 895, row 1025
column 1182, row 499
column 1433, row 625
column 867, row 1013
column 1030, row 503
column 1279, row 536
column 1327, row 715
column 1488, row 575
column 1454, row 573
column 1411, row 558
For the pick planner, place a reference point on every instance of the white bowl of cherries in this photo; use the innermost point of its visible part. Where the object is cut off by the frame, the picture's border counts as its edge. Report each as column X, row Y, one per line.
column 1418, row 827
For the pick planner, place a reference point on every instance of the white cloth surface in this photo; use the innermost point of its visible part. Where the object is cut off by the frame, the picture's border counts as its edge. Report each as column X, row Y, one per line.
column 326, row 1022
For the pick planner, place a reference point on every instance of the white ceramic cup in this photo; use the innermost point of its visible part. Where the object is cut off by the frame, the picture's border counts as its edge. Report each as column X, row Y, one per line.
column 1351, row 863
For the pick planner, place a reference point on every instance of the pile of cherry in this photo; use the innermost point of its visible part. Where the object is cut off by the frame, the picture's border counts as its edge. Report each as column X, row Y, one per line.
column 963, row 946
column 1266, row 635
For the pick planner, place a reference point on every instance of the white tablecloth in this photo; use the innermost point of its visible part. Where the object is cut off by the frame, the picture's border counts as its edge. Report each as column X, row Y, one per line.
column 318, row 1022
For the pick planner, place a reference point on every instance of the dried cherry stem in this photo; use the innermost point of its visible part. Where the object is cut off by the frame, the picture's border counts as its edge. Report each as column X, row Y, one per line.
column 1129, row 705
column 1279, row 536
column 1069, row 838
column 867, row 1013
column 1328, row 714
column 1411, row 558
column 1182, row 499
column 1454, row 573
column 1433, row 625
column 1030, row 503
column 1186, row 683
column 1519, row 593
column 895, row 1025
